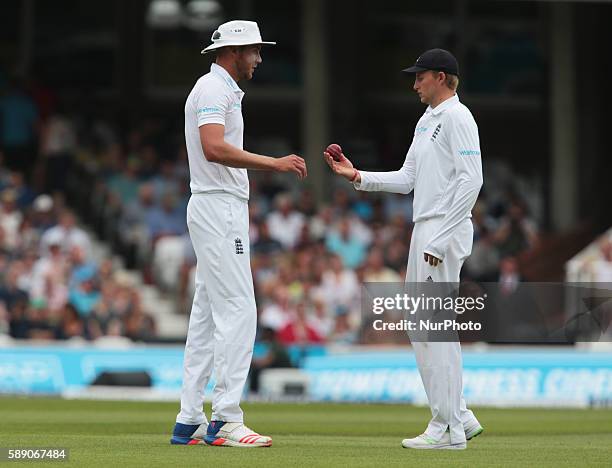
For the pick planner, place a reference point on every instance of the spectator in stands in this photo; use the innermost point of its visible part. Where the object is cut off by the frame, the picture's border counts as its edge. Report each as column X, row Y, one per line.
column 285, row 223
column 66, row 234
column 57, row 147
column 124, row 185
column 39, row 321
column 300, row 330
column 481, row 220
column 376, row 271
column 516, row 232
column 23, row 193
column 10, row 219
column 71, row 324
column 18, row 127
column 341, row 202
column 321, row 320
column 306, row 203
column 19, row 323
column 265, row 244
column 398, row 204
column 483, row 263
column 43, row 216
column 339, row 286
column 133, row 229
column 49, row 283
column 10, row 292
column 84, row 293
column 346, row 245
column 276, row 313
column 321, row 223
column 165, row 180
column 140, row 326
column 148, row 166
column 363, row 207
column 343, row 331
column 509, row 275
column 166, row 219
column 396, row 255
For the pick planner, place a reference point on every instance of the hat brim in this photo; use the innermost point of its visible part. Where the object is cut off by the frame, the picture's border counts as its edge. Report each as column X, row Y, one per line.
column 217, row 45
column 415, row 69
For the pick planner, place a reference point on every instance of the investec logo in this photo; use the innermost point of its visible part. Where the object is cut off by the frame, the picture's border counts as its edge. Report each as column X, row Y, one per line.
column 469, row 153
column 206, row 110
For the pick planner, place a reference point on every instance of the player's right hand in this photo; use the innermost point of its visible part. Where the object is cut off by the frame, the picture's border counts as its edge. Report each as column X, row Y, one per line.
column 292, row 163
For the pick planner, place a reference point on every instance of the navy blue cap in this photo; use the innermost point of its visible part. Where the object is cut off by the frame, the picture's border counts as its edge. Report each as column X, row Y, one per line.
column 435, row 59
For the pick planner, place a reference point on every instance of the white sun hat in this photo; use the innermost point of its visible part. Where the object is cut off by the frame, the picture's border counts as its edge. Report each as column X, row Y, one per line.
column 236, row 33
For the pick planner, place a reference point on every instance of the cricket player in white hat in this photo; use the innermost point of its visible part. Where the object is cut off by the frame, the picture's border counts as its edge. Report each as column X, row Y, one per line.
column 443, row 166
column 223, row 316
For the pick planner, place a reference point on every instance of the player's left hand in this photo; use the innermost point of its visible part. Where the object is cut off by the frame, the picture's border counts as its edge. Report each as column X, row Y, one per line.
column 433, row 261
column 343, row 168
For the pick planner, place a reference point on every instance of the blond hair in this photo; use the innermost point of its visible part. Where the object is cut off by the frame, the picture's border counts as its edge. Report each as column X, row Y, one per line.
column 452, row 81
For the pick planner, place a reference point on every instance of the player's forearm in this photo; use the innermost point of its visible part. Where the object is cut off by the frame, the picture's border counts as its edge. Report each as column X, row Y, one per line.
column 395, row 182
column 229, row 155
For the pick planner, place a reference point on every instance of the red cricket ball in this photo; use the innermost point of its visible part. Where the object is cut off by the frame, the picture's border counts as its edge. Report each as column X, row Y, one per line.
column 335, row 150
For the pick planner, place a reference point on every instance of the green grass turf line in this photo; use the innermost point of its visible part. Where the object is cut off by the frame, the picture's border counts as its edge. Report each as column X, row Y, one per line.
column 119, row 434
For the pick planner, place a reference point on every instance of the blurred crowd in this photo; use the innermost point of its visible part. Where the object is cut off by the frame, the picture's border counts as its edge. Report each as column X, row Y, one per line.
column 131, row 188
column 52, row 285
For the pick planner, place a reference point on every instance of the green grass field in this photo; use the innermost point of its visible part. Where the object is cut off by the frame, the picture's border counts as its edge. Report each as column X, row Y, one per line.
column 118, row 434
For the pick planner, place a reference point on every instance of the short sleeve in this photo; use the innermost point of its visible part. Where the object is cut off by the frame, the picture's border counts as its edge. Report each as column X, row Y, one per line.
column 212, row 106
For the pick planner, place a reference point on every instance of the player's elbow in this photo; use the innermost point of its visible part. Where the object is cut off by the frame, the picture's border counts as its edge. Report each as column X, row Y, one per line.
column 212, row 152
column 407, row 183
column 471, row 184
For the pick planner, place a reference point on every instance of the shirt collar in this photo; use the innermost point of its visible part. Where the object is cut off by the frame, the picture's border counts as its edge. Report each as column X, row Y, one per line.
column 222, row 73
column 451, row 101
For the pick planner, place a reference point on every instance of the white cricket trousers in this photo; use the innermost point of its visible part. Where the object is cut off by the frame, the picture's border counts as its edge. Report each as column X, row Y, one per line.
column 223, row 317
column 440, row 364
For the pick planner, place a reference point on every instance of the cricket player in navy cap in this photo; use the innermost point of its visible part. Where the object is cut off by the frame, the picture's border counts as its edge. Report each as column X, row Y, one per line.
column 223, row 316
column 443, row 167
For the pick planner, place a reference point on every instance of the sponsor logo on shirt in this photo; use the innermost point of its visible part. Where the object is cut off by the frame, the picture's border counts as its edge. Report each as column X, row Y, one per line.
column 469, row 153
column 420, row 130
column 208, row 110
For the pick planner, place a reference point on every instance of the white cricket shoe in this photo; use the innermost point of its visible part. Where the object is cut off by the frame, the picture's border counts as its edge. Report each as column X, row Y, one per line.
column 474, row 430
column 425, row 442
column 228, row 434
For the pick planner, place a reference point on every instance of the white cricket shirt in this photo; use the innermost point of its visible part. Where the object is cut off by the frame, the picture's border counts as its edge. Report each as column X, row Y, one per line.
column 215, row 99
column 443, row 166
